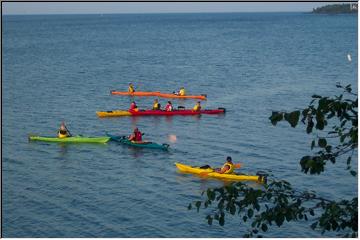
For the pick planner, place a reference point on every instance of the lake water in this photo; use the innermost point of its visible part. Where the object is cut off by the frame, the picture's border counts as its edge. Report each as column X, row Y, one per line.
column 62, row 67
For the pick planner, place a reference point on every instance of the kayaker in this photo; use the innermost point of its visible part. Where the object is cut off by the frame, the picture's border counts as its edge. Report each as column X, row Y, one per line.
column 136, row 135
column 63, row 131
column 181, row 92
column 156, row 105
column 197, row 107
column 169, row 106
column 227, row 168
column 131, row 88
column 133, row 107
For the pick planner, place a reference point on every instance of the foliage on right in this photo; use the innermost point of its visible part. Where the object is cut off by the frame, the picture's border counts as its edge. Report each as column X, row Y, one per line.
column 277, row 201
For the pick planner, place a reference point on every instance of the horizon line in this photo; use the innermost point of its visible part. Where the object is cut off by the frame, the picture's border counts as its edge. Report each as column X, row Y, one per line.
column 28, row 14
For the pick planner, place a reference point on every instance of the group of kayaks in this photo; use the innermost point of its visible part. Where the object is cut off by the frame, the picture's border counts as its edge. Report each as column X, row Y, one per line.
column 180, row 111
column 209, row 172
column 82, row 139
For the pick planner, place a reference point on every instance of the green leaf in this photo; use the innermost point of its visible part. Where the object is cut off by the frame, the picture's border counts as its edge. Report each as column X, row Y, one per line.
column 264, row 227
column 288, row 216
column 232, row 209
column 198, row 204
column 250, row 213
column 210, row 194
column 210, row 219
column 222, row 220
column 245, row 218
column 312, row 144
column 353, row 173
column 348, row 161
column 309, row 127
column 292, row 118
column 279, row 219
column 320, row 124
column 189, row 207
column 313, row 226
column 322, row 142
column 328, row 148
column 276, row 117
column 311, row 212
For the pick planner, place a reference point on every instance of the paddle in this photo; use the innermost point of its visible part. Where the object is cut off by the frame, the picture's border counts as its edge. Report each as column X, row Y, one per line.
column 68, row 130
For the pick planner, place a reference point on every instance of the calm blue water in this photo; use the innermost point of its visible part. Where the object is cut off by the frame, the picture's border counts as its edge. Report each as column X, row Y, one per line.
column 62, row 67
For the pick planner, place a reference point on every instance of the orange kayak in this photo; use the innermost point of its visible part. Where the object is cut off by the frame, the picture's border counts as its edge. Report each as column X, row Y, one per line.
column 158, row 94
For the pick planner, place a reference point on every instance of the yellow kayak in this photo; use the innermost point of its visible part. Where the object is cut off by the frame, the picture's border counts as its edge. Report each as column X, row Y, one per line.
column 210, row 173
column 115, row 113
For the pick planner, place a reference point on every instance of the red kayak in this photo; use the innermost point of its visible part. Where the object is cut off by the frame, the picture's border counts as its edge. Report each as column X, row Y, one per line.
column 120, row 113
column 175, row 112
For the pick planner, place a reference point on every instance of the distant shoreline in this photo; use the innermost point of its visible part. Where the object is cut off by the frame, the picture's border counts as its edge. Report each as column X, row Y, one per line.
column 348, row 8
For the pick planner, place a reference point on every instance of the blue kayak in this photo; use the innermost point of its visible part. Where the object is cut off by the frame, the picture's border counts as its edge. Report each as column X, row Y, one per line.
column 124, row 140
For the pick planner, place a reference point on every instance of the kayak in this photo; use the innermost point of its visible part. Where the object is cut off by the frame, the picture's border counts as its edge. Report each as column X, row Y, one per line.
column 137, row 94
column 75, row 139
column 125, row 141
column 120, row 113
column 115, row 113
column 158, row 94
column 210, row 173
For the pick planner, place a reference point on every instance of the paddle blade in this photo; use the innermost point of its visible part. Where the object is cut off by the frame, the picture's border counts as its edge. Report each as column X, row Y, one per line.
column 237, row 165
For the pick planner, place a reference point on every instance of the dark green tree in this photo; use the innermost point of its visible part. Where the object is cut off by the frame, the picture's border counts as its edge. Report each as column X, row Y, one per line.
column 277, row 201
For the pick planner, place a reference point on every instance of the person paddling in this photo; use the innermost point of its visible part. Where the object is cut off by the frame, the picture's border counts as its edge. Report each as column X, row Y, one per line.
column 63, row 132
column 169, row 106
column 197, row 107
column 133, row 107
column 131, row 88
column 227, row 168
column 156, row 105
column 136, row 136
column 182, row 92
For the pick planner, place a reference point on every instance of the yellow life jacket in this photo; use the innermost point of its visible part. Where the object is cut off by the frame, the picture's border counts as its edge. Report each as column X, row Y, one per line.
column 62, row 135
column 231, row 168
column 182, row 92
column 156, row 106
column 131, row 89
column 196, row 107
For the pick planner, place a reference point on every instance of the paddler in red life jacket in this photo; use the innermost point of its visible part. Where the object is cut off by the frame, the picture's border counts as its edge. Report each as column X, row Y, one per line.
column 63, row 131
column 197, row 107
column 133, row 107
column 169, row 107
column 227, row 168
column 131, row 88
column 136, row 136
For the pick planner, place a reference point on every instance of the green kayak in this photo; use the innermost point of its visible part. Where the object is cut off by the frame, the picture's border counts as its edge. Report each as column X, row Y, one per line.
column 75, row 139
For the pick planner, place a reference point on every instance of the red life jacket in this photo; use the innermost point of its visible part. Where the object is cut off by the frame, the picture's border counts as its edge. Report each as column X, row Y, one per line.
column 133, row 106
column 138, row 136
column 168, row 107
